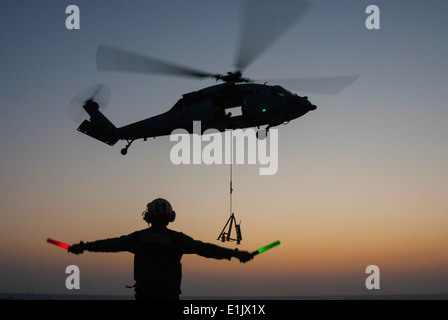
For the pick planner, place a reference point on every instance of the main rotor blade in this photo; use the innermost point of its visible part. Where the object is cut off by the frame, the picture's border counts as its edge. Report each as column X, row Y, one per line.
column 113, row 59
column 264, row 21
column 326, row 85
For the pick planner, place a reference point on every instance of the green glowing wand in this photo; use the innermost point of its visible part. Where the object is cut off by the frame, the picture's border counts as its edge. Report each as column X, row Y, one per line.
column 265, row 248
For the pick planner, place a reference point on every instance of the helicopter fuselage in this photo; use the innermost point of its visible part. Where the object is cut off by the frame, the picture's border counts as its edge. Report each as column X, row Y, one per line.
column 259, row 105
column 255, row 105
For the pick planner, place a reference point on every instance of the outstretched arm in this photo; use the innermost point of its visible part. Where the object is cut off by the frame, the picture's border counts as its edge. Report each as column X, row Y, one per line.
column 209, row 250
column 123, row 243
column 77, row 248
column 243, row 256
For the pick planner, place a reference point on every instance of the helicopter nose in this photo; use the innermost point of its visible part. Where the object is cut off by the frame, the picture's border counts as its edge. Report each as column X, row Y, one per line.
column 310, row 106
column 305, row 103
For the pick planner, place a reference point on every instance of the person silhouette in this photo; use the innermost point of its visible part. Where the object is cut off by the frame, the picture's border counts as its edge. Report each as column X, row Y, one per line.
column 158, row 252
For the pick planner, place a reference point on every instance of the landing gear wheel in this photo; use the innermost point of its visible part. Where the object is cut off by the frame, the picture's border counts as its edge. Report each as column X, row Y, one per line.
column 124, row 151
column 262, row 133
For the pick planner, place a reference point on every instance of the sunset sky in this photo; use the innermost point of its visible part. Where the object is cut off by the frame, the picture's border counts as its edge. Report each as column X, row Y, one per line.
column 362, row 180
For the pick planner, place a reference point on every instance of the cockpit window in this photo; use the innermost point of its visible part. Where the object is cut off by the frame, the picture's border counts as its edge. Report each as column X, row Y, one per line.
column 279, row 91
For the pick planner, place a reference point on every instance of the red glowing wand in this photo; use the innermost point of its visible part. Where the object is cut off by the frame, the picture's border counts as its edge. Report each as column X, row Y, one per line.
column 57, row 243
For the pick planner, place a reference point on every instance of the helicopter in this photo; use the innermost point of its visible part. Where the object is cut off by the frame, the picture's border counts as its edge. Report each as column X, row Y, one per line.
column 236, row 103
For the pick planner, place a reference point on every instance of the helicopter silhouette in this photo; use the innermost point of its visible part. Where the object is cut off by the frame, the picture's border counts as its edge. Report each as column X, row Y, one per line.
column 257, row 103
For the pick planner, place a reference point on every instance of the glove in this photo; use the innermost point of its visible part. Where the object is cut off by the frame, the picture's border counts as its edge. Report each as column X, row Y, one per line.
column 243, row 256
column 77, row 248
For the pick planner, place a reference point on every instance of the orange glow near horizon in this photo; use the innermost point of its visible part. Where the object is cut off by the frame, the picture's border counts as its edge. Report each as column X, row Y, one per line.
column 320, row 249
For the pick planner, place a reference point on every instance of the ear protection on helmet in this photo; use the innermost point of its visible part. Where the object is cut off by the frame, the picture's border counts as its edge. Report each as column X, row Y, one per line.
column 159, row 211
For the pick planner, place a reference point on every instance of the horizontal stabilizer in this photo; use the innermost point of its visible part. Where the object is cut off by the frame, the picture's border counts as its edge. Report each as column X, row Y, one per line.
column 97, row 132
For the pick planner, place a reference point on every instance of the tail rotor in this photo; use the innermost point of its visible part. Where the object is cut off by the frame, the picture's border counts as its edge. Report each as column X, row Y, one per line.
column 96, row 93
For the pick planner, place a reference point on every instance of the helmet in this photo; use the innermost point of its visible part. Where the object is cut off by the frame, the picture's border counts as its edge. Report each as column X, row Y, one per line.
column 159, row 210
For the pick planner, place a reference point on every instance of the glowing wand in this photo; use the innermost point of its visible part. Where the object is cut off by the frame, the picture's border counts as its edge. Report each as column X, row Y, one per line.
column 57, row 243
column 265, row 248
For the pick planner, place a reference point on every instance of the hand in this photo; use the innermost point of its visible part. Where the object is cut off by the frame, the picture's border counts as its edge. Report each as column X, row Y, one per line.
column 243, row 256
column 77, row 248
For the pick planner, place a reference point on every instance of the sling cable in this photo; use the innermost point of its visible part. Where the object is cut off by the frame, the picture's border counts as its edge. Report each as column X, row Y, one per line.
column 227, row 236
